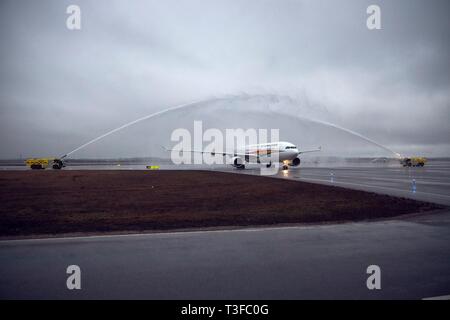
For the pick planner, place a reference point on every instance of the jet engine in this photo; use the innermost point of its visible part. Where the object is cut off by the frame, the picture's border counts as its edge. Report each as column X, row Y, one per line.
column 295, row 162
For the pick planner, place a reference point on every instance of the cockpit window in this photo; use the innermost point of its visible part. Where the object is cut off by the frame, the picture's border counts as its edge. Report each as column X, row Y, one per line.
column 291, row 147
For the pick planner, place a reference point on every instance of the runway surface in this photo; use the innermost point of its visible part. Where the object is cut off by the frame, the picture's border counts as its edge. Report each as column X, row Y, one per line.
column 303, row 262
column 432, row 182
column 317, row 262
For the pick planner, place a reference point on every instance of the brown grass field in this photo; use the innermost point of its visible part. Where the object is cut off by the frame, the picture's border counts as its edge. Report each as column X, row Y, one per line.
column 62, row 202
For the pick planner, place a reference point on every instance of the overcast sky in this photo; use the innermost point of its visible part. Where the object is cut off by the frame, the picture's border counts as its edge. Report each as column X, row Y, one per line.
column 60, row 88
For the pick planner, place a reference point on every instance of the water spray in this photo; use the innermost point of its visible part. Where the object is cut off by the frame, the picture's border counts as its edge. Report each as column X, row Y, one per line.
column 396, row 154
column 190, row 104
column 196, row 103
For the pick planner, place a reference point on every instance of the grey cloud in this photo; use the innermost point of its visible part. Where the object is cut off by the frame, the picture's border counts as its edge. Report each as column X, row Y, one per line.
column 60, row 88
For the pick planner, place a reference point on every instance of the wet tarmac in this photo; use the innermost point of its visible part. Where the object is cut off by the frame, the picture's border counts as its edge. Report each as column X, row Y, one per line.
column 311, row 262
column 430, row 183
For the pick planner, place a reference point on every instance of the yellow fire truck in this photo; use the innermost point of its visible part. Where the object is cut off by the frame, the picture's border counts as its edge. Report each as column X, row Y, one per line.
column 42, row 163
column 413, row 162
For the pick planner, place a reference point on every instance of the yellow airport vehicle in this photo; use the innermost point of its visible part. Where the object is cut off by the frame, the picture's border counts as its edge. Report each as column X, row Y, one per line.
column 43, row 163
column 413, row 162
column 152, row 167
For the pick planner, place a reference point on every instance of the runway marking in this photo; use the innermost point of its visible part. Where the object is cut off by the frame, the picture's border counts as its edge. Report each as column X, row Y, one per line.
column 327, row 182
column 400, row 179
column 375, row 187
column 187, row 232
column 193, row 232
column 447, row 297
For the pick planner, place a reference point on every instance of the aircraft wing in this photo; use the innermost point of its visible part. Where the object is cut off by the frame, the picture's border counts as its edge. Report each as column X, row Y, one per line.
column 213, row 153
column 313, row 150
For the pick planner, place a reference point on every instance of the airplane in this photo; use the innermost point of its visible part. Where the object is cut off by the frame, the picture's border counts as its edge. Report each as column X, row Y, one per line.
column 288, row 154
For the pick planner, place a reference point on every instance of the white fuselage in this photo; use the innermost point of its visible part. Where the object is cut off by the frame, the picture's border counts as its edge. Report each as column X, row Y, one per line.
column 285, row 151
